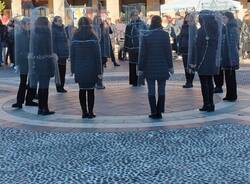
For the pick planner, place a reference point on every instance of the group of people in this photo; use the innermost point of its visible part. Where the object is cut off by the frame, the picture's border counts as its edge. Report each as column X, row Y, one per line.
column 212, row 50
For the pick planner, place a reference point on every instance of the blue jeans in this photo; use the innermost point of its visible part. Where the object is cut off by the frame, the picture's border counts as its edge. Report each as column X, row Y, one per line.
column 161, row 87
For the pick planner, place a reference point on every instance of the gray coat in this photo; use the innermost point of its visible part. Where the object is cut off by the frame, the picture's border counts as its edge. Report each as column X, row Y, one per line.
column 155, row 55
column 22, row 39
column 85, row 59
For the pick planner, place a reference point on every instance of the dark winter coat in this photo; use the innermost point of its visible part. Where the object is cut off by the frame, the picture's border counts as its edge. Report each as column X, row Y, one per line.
column 155, row 58
column 206, row 47
column 183, row 39
column 132, row 39
column 60, row 42
column 3, row 34
column 22, row 40
column 230, row 46
column 85, row 56
column 105, row 42
column 41, row 59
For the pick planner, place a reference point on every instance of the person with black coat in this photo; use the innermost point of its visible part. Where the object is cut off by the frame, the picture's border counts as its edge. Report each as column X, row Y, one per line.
column 61, row 48
column 230, row 55
column 184, row 50
column 131, row 45
column 3, row 40
column 41, row 62
column 22, row 39
column 85, row 57
column 155, row 63
column 207, row 46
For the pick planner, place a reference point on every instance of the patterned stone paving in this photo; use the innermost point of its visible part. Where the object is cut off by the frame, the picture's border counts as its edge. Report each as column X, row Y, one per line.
column 214, row 153
column 122, row 145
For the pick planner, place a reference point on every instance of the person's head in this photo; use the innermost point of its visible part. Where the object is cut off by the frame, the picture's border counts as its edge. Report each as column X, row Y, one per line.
column 85, row 26
column 228, row 17
column 25, row 22
column 186, row 18
column 58, row 21
column 156, row 22
column 134, row 15
column 42, row 23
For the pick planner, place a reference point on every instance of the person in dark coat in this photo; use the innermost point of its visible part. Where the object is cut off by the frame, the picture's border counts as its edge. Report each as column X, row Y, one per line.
column 11, row 43
column 184, row 50
column 41, row 62
column 22, row 39
column 155, row 62
column 86, row 61
column 61, row 48
column 3, row 40
column 205, row 63
column 230, row 55
column 132, row 37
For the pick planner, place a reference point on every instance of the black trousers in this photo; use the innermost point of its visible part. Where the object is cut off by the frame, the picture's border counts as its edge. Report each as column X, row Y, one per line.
column 62, row 73
column 112, row 54
column 231, row 84
column 219, row 79
column 91, row 100
column 22, row 91
column 189, row 76
column 133, row 77
column 207, row 89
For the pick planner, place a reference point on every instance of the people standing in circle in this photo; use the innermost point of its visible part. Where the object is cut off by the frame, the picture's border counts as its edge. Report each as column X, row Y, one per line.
column 86, row 62
column 132, row 39
column 61, row 48
column 184, row 45
column 22, row 35
column 206, row 61
column 155, row 62
column 41, row 62
column 230, row 55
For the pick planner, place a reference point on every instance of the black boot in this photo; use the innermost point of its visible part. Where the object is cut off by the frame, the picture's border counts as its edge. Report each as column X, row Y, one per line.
column 160, row 106
column 205, row 95
column 91, row 102
column 189, row 80
column 43, row 103
column 30, row 96
column 82, row 98
column 211, row 106
column 153, row 108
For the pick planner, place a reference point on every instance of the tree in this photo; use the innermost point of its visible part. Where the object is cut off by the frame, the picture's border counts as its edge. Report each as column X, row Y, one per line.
column 2, row 6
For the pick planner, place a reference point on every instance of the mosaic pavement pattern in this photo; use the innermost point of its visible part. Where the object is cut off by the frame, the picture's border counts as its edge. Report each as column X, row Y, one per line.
column 215, row 153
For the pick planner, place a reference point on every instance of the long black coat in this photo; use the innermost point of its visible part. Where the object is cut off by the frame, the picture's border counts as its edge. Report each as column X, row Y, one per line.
column 230, row 46
column 155, row 58
column 41, row 60
column 184, row 39
column 132, row 39
column 206, row 46
column 85, row 55
column 22, row 40
column 60, row 42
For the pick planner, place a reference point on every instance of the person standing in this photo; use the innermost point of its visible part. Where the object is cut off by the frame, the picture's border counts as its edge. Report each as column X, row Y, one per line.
column 22, row 39
column 155, row 62
column 11, row 43
column 86, row 67
column 206, row 61
column 230, row 55
column 61, row 48
column 132, row 37
column 3, row 39
column 41, row 61
column 184, row 50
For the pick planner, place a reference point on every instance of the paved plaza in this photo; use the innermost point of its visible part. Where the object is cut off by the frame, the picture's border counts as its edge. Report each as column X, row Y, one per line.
column 122, row 145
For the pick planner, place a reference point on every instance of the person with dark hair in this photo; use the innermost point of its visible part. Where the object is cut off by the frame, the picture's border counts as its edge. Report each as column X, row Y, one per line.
column 22, row 35
column 155, row 63
column 230, row 55
column 131, row 45
column 184, row 50
column 207, row 46
column 61, row 48
column 41, row 62
column 3, row 40
column 85, row 57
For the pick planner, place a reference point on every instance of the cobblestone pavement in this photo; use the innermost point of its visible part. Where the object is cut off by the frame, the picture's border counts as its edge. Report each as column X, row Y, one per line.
column 122, row 145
